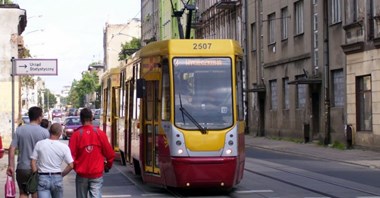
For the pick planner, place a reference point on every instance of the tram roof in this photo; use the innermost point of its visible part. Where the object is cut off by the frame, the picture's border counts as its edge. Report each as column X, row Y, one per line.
column 186, row 47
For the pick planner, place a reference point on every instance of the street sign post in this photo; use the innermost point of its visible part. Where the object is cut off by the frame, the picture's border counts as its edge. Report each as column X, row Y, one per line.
column 33, row 67
column 38, row 67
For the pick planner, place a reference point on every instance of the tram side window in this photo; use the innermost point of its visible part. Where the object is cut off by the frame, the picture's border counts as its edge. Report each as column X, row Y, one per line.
column 239, row 84
column 165, row 111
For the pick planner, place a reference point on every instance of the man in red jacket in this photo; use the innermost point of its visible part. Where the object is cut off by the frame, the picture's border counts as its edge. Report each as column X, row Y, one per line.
column 90, row 150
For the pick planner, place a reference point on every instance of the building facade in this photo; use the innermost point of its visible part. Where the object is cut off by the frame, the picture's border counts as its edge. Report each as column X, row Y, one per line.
column 13, row 22
column 296, row 69
column 114, row 35
column 150, row 18
column 158, row 21
column 362, row 48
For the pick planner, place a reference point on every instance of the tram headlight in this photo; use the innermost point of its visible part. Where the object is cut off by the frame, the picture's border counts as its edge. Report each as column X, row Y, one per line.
column 230, row 142
column 228, row 151
column 178, row 143
column 180, row 151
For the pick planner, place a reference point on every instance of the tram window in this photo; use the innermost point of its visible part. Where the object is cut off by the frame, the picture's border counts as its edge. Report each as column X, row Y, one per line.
column 239, row 84
column 203, row 87
column 165, row 111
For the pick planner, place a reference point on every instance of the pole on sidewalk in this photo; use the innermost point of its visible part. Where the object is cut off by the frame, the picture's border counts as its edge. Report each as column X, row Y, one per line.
column 13, row 96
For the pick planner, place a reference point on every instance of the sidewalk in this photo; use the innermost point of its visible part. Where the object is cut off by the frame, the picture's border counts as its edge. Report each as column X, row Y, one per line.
column 353, row 156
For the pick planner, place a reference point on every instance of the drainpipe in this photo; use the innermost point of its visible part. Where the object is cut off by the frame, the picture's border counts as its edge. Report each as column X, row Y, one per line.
column 326, row 72
column 245, row 39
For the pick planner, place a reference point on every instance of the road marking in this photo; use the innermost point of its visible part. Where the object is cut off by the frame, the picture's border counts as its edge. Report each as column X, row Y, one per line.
column 253, row 191
column 117, row 196
column 151, row 195
column 369, row 197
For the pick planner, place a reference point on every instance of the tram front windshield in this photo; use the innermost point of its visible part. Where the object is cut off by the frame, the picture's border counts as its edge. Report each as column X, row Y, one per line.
column 203, row 93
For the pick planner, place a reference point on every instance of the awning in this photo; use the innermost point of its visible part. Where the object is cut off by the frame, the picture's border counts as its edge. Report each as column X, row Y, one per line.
column 306, row 81
column 260, row 89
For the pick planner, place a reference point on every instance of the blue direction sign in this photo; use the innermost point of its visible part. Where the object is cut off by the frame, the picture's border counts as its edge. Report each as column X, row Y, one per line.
column 38, row 67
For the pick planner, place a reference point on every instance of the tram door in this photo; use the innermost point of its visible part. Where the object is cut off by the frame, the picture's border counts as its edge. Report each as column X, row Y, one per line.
column 114, row 117
column 151, row 115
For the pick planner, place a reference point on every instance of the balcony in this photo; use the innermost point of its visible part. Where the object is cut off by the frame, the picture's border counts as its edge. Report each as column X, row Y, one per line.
column 355, row 38
column 226, row 4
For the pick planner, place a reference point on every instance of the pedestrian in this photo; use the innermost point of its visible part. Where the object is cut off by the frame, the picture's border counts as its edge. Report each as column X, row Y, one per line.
column 90, row 149
column 24, row 139
column 47, row 158
column 45, row 123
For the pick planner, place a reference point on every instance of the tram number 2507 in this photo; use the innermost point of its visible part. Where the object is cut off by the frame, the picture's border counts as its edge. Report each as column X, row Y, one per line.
column 201, row 46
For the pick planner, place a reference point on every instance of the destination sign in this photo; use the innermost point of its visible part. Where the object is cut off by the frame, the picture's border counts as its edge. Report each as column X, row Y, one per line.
column 201, row 61
column 38, row 67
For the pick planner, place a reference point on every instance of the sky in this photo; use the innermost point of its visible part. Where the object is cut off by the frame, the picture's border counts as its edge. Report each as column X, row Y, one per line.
column 72, row 32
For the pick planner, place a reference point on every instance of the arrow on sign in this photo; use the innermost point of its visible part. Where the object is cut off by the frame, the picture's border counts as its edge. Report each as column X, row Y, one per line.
column 24, row 66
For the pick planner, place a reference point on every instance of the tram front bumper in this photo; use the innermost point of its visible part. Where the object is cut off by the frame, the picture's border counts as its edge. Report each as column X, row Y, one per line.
column 205, row 172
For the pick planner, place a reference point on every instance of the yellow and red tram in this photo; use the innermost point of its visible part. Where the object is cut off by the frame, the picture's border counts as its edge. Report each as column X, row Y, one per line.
column 176, row 113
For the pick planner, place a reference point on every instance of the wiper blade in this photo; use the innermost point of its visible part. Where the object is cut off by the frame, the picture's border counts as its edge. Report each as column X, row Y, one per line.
column 191, row 118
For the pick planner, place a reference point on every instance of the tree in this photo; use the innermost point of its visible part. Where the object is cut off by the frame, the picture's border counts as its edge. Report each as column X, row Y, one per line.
column 79, row 89
column 128, row 48
column 8, row 2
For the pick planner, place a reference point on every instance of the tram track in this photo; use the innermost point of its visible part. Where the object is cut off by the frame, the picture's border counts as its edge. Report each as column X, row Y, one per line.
column 313, row 182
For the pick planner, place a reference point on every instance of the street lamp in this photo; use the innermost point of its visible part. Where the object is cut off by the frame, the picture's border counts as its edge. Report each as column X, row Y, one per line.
column 34, row 31
column 35, row 16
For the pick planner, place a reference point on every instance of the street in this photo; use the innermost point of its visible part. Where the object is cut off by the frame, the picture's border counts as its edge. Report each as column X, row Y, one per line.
column 268, row 173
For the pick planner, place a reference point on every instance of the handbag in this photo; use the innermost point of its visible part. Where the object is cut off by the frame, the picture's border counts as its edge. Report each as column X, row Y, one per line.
column 31, row 185
column 10, row 188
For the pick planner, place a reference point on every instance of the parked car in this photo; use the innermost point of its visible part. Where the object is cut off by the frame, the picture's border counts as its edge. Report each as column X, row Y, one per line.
column 72, row 112
column 70, row 124
column 57, row 120
column 1, row 147
column 56, row 113
column 97, row 114
column 96, row 122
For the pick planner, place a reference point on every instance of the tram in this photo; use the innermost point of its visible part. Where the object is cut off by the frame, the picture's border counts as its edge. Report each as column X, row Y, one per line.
column 175, row 113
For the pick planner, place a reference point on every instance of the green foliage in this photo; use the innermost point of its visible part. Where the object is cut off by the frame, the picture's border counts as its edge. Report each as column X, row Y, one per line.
column 27, row 82
column 338, row 145
column 7, row 1
column 128, row 48
column 79, row 89
column 24, row 52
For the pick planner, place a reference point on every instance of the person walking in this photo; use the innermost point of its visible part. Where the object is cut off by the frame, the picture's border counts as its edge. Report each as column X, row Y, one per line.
column 24, row 139
column 90, row 149
column 47, row 158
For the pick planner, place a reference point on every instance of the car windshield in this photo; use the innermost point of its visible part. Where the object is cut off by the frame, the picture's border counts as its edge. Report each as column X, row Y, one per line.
column 202, row 88
column 72, row 121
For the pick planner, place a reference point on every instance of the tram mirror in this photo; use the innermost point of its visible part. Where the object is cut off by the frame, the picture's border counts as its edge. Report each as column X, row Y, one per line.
column 141, row 87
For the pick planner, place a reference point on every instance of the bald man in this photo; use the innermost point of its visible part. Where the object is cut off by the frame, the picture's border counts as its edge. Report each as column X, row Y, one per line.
column 47, row 158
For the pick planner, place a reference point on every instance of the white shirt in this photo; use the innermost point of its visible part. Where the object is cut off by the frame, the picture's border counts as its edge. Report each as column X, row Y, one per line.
column 50, row 154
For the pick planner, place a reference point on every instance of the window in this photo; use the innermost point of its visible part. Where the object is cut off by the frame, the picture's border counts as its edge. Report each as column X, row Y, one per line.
column 272, row 24
column 273, row 94
column 285, row 89
column 253, row 37
column 338, row 88
column 364, row 103
column 301, row 93
column 298, row 17
column 336, row 13
column 316, row 57
column 284, row 23
column 351, row 11
column 165, row 111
